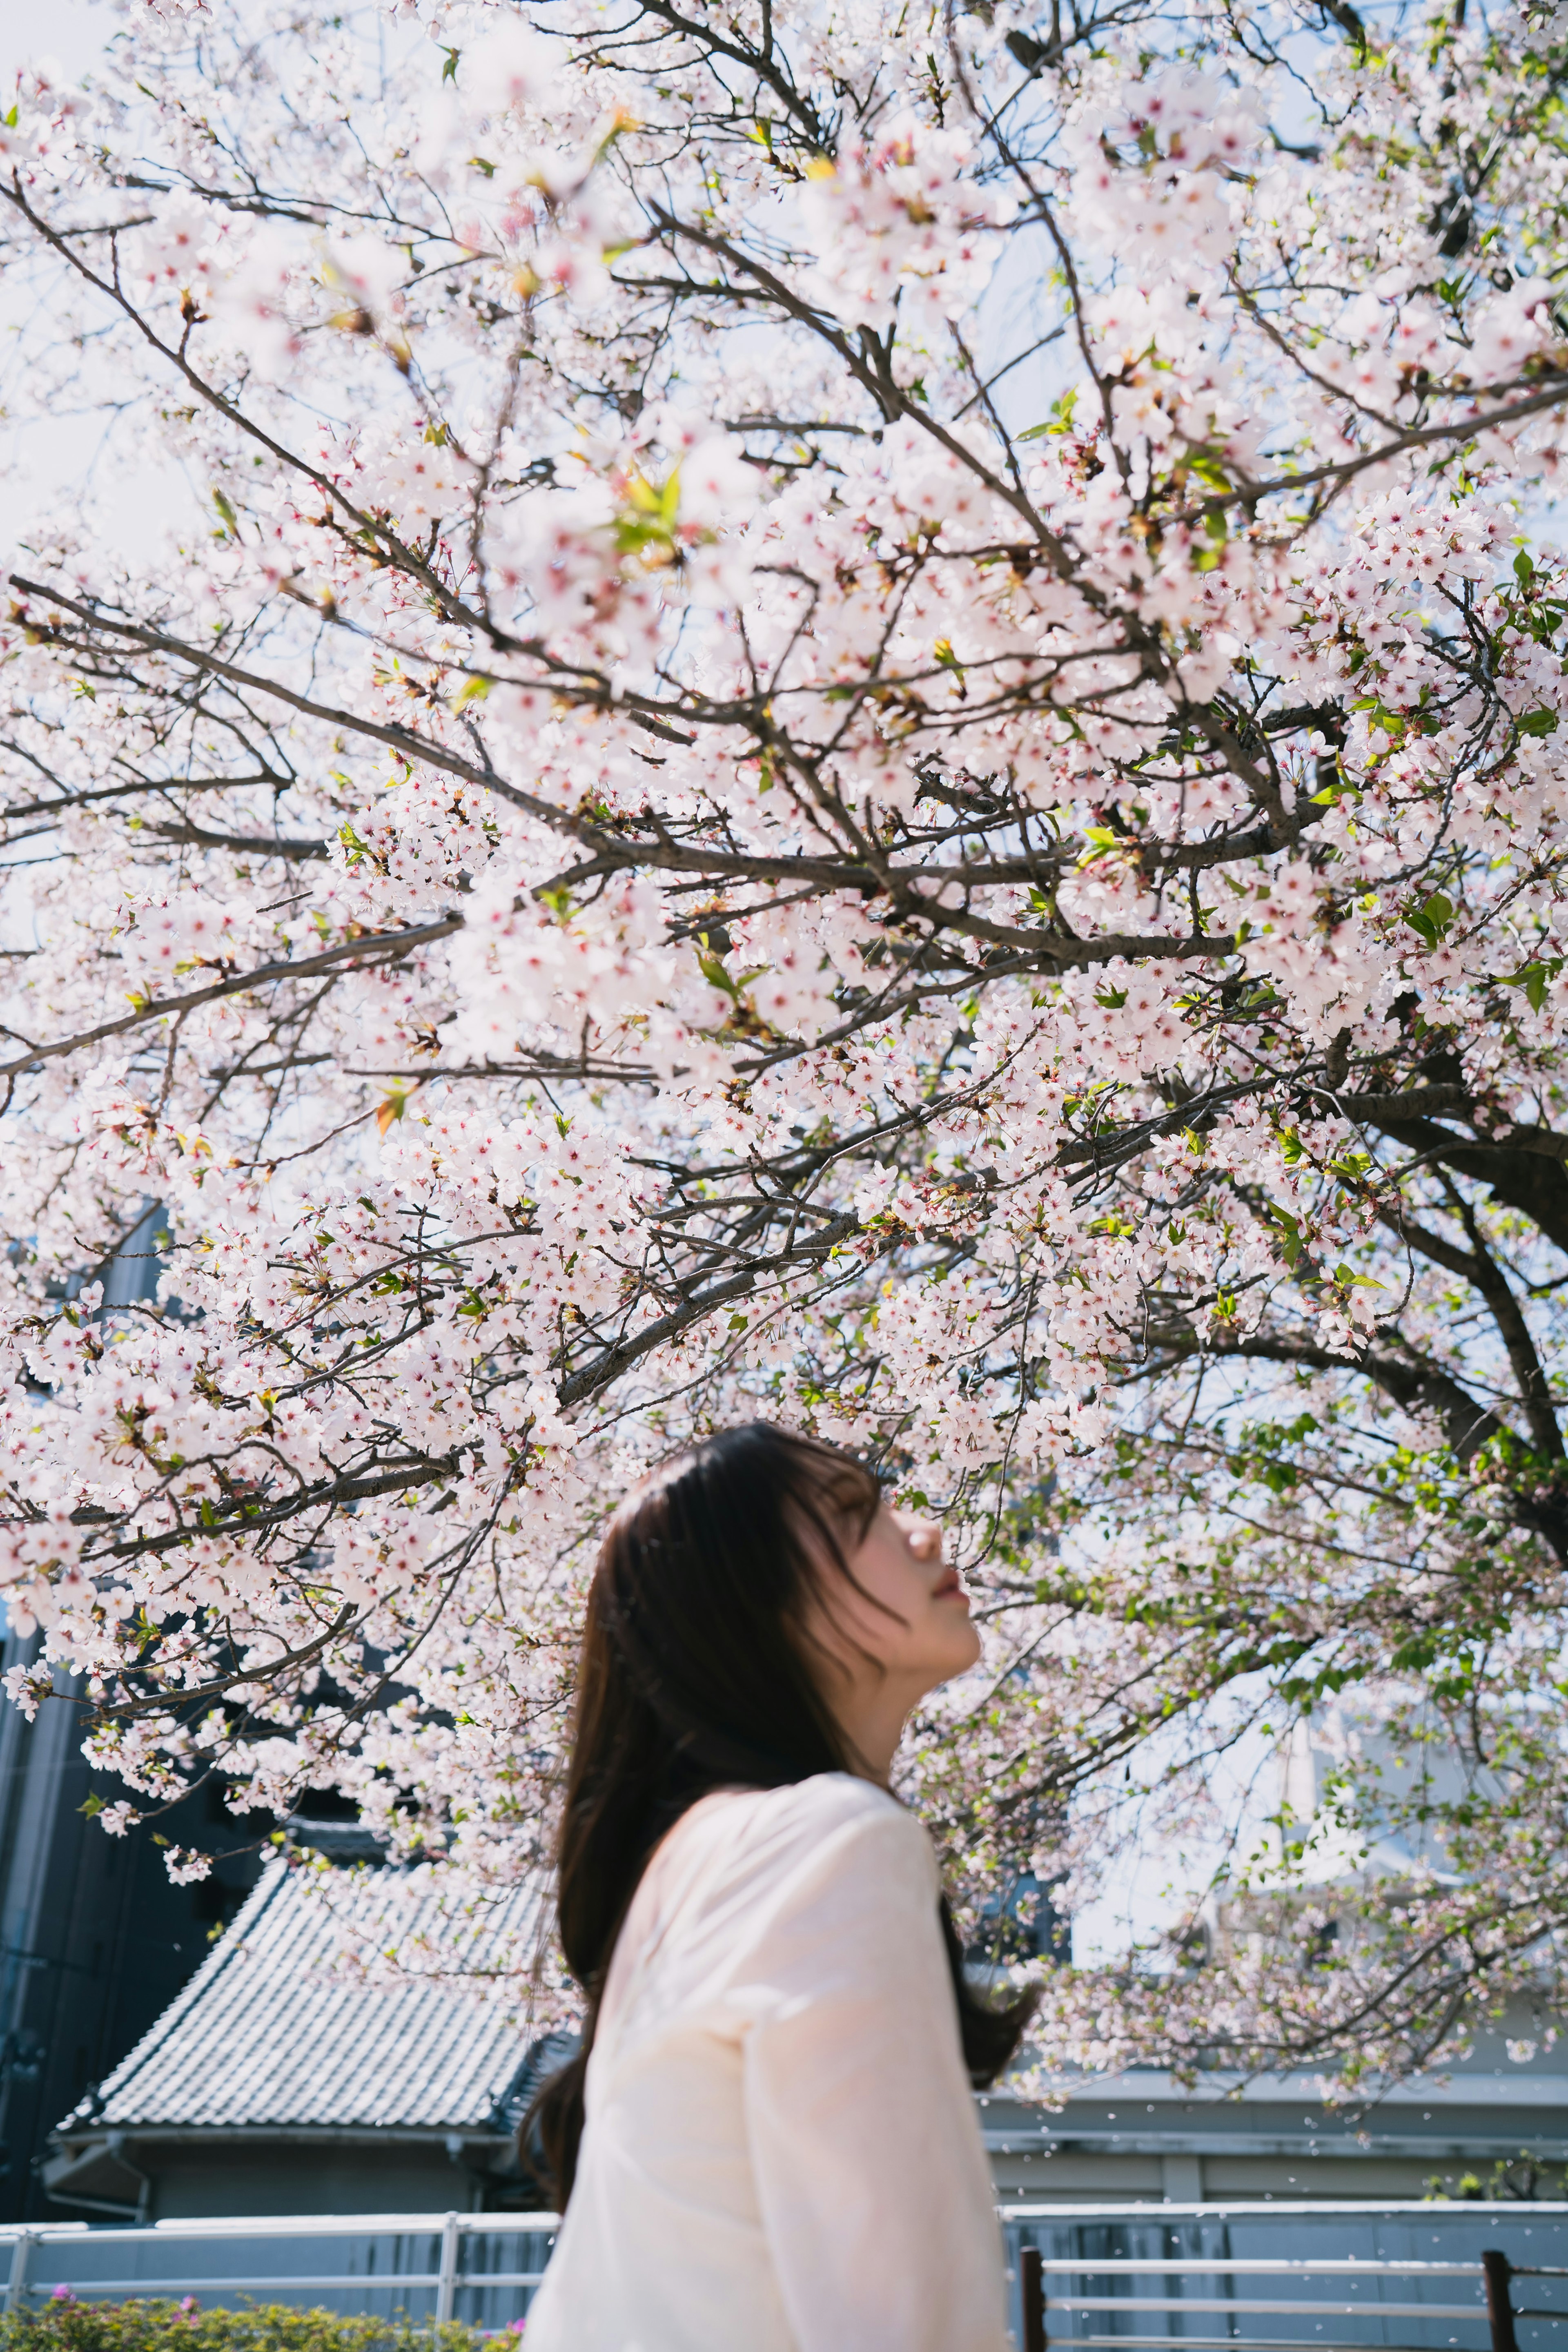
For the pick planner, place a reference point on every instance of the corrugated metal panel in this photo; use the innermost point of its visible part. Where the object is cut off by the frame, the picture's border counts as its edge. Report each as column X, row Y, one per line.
column 272, row 2032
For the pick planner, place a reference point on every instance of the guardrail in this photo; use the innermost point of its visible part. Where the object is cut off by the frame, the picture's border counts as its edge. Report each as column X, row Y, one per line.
column 1260, row 2277
column 455, row 2264
column 1492, row 2308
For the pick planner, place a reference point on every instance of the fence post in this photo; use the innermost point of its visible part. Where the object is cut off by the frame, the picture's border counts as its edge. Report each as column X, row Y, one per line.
column 1497, row 2270
column 16, row 2290
column 446, row 2282
column 1031, row 2293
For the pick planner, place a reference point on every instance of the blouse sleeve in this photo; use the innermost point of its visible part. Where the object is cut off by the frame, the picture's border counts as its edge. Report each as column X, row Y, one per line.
column 876, row 2195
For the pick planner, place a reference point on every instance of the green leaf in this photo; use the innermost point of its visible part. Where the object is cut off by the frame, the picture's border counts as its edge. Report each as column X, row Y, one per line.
column 93, row 1807
column 1209, row 470
column 1292, row 1246
column 731, row 984
column 1103, row 840
column 1059, row 420
column 1533, row 978
column 1537, row 722
column 1431, row 920
column 449, row 70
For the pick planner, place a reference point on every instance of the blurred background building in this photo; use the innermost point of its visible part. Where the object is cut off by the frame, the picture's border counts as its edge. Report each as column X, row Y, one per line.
column 298, row 2075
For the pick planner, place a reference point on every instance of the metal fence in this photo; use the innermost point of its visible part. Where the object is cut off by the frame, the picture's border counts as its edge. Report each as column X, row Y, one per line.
column 481, row 2267
column 1272, row 2277
column 1457, row 2278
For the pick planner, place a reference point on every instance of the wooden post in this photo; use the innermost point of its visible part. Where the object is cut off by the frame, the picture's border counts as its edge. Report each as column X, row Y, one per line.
column 1031, row 2295
column 1496, row 2271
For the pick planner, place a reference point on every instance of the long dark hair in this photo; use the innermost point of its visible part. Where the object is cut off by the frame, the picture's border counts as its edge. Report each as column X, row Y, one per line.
column 696, row 1675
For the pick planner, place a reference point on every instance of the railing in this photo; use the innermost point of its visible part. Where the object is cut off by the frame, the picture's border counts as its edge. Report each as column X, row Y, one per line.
column 453, row 2265
column 1492, row 2308
column 1259, row 2277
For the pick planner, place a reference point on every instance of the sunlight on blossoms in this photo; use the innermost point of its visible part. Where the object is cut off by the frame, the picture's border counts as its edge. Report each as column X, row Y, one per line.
column 834, row 718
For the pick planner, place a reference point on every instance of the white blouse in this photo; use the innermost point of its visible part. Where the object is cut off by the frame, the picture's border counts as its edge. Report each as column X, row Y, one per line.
column 781, row 2151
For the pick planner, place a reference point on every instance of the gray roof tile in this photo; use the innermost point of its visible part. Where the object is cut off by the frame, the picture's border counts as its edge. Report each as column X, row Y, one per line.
column 270, row 2033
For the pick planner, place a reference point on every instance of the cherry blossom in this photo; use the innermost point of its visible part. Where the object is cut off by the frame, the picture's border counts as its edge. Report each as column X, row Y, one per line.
column 831, row 718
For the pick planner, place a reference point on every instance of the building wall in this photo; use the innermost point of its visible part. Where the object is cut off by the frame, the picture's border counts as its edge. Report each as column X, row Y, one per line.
column 1070, row 2177
column 195, row 2182
column 1493, row 2125
column 1088, row 2154
column 257, row 2172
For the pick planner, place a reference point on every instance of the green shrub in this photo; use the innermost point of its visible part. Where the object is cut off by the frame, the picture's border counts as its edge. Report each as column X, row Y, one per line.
column 69, row 2326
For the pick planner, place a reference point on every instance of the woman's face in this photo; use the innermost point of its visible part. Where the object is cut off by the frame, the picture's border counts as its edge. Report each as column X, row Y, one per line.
column 906, row 1629
column 929, row 1632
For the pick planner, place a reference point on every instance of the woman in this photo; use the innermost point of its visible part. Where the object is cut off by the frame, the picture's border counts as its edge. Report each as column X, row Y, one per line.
column 767, row 2139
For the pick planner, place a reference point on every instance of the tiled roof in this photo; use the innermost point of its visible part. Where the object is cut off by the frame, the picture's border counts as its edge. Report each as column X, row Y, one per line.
column 282, row 2026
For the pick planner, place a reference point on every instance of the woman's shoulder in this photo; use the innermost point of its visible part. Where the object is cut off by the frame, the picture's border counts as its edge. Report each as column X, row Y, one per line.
column 772, row 1879
column 824, row 1801
column 803, row 1823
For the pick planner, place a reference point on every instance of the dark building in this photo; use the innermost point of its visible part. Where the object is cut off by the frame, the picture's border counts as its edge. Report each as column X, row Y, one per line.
column 97, row 1942
column 94, row 1941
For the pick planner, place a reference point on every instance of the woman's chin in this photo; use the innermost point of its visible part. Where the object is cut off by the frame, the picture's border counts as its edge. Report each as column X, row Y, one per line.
column 961, row 1644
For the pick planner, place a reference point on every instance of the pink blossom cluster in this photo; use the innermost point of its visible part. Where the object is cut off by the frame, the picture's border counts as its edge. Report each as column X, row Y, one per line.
column 826, row 723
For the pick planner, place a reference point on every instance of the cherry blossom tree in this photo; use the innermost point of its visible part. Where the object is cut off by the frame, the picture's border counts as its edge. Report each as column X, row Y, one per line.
column 847, row 712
